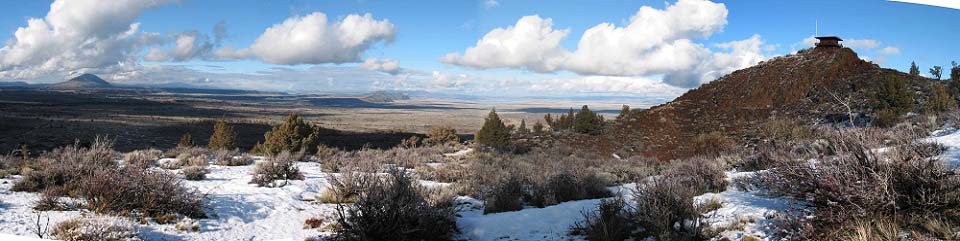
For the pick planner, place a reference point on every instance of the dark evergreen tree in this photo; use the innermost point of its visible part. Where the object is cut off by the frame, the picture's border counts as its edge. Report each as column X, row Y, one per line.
column 493, row 133
column 224, row 136
column 624, row 112
column 293, row 135
column 940, row 100
column 538, row 128
column 937, row 72
column 522, row 129
column 588, row 122
column 186, row 141
column 914, row 69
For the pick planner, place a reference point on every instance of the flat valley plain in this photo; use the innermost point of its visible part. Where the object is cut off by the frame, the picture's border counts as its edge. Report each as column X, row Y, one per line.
column 139, row 118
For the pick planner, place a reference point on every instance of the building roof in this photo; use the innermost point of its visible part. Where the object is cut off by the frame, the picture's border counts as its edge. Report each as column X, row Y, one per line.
column 829, row 38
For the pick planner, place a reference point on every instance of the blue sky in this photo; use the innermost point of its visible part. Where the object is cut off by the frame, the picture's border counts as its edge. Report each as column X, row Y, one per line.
column 452, row 46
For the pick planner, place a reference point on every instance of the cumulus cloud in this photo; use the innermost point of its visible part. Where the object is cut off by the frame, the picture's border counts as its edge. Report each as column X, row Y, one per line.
column 390, row 66
column 531, row 44
column 937, row 3
column 890, row 50
column 861, row 44
column 741, row 54
column 77, row 34
column 185, row 46
column 606, row 85
column 655, row 41
column 312, row 39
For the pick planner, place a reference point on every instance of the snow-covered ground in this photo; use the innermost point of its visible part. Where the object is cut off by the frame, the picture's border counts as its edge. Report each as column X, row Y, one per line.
column 548, row 223
column 238, row 210
column 951, row 140
column 744, row 212
column 242, row 211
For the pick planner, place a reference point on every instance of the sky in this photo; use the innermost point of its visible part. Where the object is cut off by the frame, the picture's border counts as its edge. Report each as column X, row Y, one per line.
column 509, row 48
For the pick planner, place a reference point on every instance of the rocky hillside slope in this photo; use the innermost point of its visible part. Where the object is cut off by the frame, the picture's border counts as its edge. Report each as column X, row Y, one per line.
column 800, row 86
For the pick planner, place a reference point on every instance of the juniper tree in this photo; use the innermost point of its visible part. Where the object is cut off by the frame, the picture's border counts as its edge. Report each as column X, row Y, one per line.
column 186, row 141
column 538, row 128
column 914, row 69
column 892, row 98
column 224, row 136
column 440, row 135
column 293, row 135
column 522, row 129
column 493, row 133
column 954, row 87
column 586, row 121
column 940, row 100
column 936, row 71
column 624, row 112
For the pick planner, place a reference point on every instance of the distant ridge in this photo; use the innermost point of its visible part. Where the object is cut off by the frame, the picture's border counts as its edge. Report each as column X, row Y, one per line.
column 84, row 81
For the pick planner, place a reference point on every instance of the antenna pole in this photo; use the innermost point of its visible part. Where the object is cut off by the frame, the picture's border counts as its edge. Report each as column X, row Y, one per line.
column 816, row 27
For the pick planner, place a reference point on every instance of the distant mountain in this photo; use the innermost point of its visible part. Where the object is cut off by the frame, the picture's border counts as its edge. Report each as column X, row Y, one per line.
column 385, row 96
column 14, row 84
column 85, row 81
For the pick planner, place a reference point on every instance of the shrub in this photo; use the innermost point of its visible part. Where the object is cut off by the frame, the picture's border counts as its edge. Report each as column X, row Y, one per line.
column 96, row 228
column 493, row 133
column 195, row 173
column 142, row 158
column 612, row 221
column 505, row 196
column 224, row 136
column 231, row 158
column 293, row 135
column 859, row 183
column 700, row 174
column 282, row 166
column 394, row 208
column 662, row 204
column 186, row 141
column 312, row 223
column 712, row 144
column 940, row 100
column 150, row 192
column 64, row 165
column 201, row 160
column 442, row 135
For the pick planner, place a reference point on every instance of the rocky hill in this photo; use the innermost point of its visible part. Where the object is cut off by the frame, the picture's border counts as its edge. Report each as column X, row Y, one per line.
column 804, row 86
column 84, row 81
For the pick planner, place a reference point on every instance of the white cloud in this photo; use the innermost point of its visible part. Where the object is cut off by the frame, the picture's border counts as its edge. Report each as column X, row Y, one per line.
column 311, row 39
column 939, row 3
column 77, row 34
column 606, row 84
column 531, row 44
column 491, row 3
column 890, row 50
column 654, row 42
column 741, row 54
column 390, row 66
column 186, row 46
column 861, row 44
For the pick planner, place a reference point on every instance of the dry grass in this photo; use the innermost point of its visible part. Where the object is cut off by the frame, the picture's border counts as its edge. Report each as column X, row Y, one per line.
column 195, row 173
column 142, row 158
column 96, row 228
